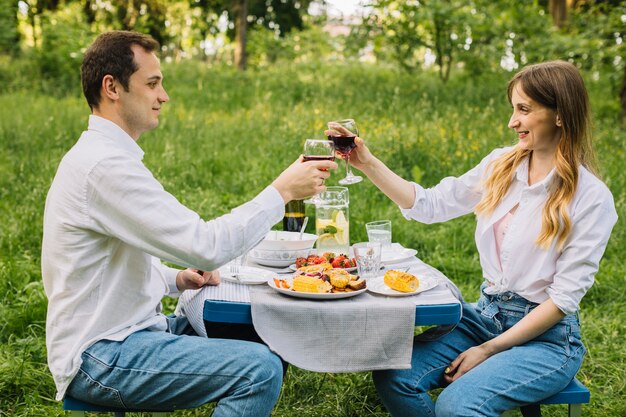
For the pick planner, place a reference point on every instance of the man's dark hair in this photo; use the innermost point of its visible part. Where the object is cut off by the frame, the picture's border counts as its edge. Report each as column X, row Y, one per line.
column 111, row 54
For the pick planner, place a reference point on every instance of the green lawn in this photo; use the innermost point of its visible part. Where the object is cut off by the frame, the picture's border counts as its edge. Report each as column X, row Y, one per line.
column 224, row 136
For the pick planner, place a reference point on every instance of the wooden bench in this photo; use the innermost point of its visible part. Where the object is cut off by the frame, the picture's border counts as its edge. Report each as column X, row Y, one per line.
column 574, row 395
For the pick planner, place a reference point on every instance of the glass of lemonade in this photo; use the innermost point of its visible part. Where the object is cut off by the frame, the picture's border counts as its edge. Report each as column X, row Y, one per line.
column 332, row 220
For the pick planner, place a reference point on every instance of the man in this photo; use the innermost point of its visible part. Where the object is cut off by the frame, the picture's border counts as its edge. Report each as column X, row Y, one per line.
column 107, row 224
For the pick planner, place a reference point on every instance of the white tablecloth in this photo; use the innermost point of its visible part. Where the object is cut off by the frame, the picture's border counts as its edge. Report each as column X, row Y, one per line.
column 361, row 333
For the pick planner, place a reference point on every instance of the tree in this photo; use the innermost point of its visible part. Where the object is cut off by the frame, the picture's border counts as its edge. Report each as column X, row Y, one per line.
column 558, row 11
column 595, row 39
column 9, row 36
column 414, row 26
column 474, row 33
column 279, row 15
column 240, row 10
column 35, row 10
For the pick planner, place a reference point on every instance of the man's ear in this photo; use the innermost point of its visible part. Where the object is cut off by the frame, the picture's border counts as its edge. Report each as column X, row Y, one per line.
column 558, row 121
column 110, row 87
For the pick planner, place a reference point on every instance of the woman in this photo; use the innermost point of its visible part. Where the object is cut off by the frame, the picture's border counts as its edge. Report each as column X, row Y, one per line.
column 543, row 222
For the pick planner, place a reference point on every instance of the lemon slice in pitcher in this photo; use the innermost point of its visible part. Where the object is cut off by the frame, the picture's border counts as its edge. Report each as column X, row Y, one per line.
column 342, row 235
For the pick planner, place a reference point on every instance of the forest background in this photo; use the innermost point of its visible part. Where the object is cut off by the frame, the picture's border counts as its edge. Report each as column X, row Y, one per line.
column 249, row 80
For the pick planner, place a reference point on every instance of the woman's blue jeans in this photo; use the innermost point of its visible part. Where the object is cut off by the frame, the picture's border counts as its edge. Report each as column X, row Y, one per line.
column 152, row 370
column 518, row 376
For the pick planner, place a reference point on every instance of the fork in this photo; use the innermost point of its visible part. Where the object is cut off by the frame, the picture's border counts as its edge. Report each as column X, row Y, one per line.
column 234, row 271
column 236, row 268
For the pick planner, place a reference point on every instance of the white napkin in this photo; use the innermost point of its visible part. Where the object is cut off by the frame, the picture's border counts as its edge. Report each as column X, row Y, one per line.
column 191, row 302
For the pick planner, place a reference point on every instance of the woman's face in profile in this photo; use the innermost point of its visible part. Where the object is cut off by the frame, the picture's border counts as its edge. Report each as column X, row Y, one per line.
column 535, row 125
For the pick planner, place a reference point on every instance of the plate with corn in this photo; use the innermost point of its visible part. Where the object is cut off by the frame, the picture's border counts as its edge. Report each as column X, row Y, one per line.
column 339, row 285
column 400, row 284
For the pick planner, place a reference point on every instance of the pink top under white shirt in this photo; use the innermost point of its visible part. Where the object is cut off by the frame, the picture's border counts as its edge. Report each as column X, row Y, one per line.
column 499, row 230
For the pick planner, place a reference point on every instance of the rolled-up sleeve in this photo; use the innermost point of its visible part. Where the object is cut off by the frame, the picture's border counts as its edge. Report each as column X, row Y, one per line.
column 452, row 197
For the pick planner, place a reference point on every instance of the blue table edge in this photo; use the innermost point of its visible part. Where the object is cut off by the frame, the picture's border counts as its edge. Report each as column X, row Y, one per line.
column 239, row 312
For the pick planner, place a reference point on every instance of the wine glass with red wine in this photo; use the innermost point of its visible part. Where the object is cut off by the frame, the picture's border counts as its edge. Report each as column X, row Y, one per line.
column 318, row 150
column 342, row 134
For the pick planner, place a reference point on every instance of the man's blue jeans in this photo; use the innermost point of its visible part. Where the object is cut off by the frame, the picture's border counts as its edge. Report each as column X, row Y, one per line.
column 154, row 370
column 518, row 376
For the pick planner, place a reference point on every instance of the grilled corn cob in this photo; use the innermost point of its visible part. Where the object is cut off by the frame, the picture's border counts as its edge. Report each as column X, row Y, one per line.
column 401, row 281
column 303, row 283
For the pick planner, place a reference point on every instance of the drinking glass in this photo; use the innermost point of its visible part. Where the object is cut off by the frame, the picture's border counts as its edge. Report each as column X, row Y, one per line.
column 318, row 150
column 342, row 133
column 368, row 258
column 379, row 231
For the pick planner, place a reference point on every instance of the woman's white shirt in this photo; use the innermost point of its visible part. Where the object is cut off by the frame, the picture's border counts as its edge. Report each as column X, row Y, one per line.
column 527, row 269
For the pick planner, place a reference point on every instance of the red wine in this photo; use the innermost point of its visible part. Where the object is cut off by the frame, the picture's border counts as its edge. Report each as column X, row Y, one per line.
column 318, row 158
column 343, row 144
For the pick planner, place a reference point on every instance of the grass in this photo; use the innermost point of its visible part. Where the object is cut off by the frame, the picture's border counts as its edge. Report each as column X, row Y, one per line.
column 225, row 135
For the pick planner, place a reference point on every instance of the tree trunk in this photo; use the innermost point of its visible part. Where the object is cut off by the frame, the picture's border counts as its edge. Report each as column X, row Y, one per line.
column 623, row 97
column 241, row 27
column 558, row 11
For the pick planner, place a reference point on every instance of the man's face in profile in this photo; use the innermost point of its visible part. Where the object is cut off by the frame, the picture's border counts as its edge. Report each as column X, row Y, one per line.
column 140, row 106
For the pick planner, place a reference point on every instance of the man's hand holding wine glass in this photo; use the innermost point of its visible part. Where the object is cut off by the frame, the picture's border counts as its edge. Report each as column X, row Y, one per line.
column 303, row 179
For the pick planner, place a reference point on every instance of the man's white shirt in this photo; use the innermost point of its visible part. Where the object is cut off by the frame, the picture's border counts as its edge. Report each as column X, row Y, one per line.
column 107, row 224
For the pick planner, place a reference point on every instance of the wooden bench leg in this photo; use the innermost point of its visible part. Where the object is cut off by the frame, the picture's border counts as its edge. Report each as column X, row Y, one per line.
column 575, row 410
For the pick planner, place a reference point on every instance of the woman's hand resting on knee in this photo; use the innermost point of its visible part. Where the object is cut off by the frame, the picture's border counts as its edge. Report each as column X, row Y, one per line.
column 465, row 362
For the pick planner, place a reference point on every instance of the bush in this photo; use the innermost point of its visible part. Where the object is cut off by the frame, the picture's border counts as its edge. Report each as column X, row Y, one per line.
column 65, row 36
column 9, row 36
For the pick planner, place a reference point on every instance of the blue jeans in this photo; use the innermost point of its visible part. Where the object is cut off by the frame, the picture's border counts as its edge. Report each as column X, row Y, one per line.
column 154, row 370
column 518, row 376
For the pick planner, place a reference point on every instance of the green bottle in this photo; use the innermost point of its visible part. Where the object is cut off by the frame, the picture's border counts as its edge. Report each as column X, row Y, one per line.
column 294, row 216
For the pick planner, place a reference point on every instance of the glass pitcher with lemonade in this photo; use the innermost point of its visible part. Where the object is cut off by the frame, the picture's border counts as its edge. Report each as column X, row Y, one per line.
column 332, row 220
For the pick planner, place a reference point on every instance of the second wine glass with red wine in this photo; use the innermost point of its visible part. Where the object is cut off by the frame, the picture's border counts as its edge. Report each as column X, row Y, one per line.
column 342, row 134
column 318, row 150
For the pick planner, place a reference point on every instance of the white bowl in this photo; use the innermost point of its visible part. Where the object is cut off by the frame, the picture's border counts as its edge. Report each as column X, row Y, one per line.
column 280, row 240
column 281, row 248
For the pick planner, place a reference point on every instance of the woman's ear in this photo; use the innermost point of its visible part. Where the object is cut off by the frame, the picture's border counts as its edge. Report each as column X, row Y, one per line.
column 558, row 121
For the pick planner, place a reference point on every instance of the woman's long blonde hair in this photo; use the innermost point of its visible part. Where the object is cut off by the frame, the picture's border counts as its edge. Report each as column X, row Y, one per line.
column 559, row 86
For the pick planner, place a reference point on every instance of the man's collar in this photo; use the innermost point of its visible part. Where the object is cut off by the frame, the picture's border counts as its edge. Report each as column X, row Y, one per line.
column 119, row 136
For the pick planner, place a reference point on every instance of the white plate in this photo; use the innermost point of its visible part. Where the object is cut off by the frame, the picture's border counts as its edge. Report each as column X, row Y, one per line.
column 354, row 268
column 377, row 285
column 314, row 295
column 397, row 253
column 248, row 275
